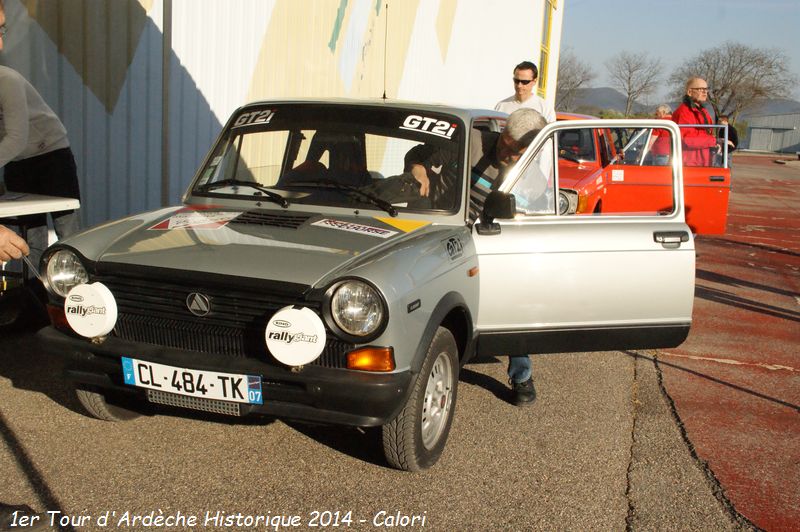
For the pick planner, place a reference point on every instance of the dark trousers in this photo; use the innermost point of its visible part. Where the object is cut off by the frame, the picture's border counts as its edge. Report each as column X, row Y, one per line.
column 50, row 174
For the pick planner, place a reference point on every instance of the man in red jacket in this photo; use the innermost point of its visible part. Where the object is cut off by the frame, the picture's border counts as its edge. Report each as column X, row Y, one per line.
column 697, row 141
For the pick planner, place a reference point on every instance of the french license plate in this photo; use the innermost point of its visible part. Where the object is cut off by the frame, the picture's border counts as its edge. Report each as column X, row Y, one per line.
column 192, row 382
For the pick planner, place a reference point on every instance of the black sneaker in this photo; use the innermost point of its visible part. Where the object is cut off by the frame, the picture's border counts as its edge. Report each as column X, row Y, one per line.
column 523, row 393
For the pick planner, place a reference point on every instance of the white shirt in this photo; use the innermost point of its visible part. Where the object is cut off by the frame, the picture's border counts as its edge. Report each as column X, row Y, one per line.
column 511, row 104
column 28, row 127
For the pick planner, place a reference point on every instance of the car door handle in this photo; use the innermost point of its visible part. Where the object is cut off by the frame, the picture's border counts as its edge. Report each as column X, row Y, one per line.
column 671, row 239
column 716, row 178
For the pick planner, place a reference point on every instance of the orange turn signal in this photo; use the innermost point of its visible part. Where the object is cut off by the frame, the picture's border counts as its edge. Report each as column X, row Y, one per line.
column 58, row 318
column 371, row 359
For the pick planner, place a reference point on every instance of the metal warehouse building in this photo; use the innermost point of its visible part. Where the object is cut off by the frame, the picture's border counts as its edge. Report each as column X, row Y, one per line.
column 775, row 133
column 144, row 86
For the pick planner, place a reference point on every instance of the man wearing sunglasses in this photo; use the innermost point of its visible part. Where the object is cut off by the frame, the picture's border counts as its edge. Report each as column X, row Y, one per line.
column 697, row 141
column 525, row 76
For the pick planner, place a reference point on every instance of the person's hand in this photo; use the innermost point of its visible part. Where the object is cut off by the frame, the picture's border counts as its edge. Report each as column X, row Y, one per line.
column 731, row 144
column 421, row 175
column 11, row 245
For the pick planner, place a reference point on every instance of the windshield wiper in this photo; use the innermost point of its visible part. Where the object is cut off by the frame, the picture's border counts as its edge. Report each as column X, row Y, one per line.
column 330, row 183
column 273, row 196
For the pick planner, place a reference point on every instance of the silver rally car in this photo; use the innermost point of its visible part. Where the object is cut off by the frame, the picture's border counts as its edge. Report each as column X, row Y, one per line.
column 305, row 276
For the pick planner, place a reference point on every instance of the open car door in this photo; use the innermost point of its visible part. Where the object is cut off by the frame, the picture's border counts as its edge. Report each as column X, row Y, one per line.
column 555, row 281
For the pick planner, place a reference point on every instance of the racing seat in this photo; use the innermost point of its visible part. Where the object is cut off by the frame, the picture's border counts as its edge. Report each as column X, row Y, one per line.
column 347, row 159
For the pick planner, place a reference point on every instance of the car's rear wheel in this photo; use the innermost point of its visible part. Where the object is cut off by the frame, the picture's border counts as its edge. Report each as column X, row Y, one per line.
column 415, row 439
column 98, row 406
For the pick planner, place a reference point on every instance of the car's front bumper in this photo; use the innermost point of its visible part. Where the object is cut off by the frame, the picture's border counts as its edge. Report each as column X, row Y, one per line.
column 313, row 393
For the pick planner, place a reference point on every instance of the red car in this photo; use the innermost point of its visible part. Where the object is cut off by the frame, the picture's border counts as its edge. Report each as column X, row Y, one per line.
column 622, row 170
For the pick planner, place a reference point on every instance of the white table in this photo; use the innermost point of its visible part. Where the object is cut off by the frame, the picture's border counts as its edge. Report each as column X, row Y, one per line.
column 20, row 203
column 15, row 204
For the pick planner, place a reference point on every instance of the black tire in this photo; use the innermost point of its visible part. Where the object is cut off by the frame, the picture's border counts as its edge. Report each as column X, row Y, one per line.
column 97, row 406
column 415, row 439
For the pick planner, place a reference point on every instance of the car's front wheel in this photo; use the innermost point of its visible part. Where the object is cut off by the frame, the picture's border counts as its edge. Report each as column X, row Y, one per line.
column 98, row 406
column 415, row 439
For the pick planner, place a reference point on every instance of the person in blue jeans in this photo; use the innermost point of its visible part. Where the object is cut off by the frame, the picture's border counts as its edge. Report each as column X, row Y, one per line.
column 492, row 154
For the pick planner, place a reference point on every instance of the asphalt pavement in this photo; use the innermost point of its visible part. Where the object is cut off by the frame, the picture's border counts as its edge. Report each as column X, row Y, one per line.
column 667, row 440
column 599, row 450
column 736, row 381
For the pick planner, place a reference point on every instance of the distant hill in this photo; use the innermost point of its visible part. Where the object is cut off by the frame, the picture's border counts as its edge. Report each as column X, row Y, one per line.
column 773, row 107
column 593, row 100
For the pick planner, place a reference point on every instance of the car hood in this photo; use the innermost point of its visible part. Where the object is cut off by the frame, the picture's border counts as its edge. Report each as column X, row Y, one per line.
column 574, row 175
column 290, row 246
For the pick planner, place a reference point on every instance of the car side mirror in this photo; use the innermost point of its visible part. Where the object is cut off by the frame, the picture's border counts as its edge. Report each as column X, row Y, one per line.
column 497, row 205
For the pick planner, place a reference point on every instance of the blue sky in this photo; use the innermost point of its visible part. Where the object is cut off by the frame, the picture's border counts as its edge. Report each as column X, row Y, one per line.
column 675, row 30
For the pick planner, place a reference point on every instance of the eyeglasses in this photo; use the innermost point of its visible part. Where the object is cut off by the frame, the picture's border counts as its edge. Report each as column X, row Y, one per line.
column 522, row 81
column 701, row 89
column 3, row 30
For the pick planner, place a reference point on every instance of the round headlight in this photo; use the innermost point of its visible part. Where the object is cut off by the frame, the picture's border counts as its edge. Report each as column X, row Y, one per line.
column 64, row 272
column 563, row 203
column 357, row 308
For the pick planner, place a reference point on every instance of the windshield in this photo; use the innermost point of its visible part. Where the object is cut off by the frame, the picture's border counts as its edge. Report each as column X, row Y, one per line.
column 338, row 155
column 576, row 145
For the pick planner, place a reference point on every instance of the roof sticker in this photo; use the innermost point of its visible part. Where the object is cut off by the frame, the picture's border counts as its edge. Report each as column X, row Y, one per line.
column 432, row 126
column 254, row 118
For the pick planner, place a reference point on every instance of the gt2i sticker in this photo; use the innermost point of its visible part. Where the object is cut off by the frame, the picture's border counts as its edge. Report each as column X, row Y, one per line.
column 195, row 220
column 253, row 118
column 454, row 247
column 440, row 128
column 295, row 336
column 355, row 228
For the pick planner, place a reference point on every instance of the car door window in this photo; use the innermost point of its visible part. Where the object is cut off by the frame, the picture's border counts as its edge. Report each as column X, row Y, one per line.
column 624, row 186
column 535, row 186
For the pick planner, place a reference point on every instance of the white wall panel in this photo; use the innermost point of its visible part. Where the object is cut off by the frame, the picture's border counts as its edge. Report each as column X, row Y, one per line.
column 216, row 46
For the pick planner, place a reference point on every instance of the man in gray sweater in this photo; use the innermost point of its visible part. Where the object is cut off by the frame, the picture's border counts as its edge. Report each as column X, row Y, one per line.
column 35, row 152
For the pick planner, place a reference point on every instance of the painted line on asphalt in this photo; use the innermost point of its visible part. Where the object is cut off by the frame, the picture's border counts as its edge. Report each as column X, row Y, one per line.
column 773, row 367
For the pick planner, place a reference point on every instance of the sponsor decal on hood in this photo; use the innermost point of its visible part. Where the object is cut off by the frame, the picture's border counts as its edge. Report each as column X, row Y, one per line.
column 355, row 228
column 195, row 220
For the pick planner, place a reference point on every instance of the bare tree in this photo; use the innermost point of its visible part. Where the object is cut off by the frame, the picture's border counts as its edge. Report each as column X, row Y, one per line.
column 573, row 74
column 635, row 75
column 739, row 76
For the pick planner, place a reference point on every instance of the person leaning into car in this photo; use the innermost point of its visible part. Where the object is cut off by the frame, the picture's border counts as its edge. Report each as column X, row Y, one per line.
column 697, row 141
column 35, row 152
column 492, row 154
column 525, row 76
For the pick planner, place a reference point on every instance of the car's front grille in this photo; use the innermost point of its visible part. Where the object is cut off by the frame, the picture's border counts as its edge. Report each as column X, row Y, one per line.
column 156, row 312
column 195, row 403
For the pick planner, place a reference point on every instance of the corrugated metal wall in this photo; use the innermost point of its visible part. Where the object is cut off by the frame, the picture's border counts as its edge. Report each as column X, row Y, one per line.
column 775, row 133
column 98, row 65
column 139, row 134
